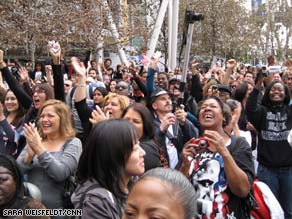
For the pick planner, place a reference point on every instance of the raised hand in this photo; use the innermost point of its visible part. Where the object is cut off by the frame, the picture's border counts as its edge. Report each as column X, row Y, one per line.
column 231, row 63
column 2, row 63
column 1, row 56
column 181, row 115
column 216, row 142
column 194, row 67
column 23, row 74
column 98, row 115
column 78, row 66
column 154, row 60
column 188, row 153
column 55, row 52
column 167, row 120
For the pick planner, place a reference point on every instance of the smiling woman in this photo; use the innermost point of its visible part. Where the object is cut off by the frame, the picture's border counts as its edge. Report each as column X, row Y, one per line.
column 221, row 173
column 53, row 154
column 272, row 118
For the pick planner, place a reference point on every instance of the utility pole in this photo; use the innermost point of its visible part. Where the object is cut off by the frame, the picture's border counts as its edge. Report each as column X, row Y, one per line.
column 173, row 41
column 173, row 6
column 157, row 28
column 170, row 14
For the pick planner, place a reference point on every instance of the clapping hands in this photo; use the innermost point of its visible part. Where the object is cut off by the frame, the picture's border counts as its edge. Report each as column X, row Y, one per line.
column 33, row 139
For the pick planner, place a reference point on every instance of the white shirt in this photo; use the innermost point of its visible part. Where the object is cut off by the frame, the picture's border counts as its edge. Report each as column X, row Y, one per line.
column 171, row 150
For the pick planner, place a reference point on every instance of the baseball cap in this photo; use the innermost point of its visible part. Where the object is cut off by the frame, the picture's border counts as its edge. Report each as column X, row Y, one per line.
column 156, row 93
column 175, row 78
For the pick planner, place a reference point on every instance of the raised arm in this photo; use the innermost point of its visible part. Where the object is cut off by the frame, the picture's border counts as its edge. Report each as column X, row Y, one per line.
column 83, row 110
column 57, row 73
column 152, row 69
column 231, row 63
column 79, row 67
column 24, row 99
column 254, row 110
column 196, row 89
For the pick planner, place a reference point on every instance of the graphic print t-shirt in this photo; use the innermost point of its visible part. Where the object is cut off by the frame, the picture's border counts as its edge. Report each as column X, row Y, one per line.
column 209, row 179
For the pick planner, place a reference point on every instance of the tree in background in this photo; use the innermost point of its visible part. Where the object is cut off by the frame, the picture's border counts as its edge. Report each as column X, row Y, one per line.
column 225, row 30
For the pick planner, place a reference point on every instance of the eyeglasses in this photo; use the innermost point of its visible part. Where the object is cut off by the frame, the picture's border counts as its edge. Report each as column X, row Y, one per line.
column 39, row 91
column 121, row 87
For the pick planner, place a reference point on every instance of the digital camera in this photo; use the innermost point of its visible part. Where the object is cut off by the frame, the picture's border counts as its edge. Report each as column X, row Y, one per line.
column 201, row 142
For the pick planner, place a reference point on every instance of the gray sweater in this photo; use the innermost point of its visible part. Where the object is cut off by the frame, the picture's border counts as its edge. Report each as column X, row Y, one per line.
column 49, row 171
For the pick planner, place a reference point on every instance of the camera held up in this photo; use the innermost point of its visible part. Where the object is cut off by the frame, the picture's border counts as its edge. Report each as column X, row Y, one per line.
column 264, row 71
column 201, row 142
column 192, row 16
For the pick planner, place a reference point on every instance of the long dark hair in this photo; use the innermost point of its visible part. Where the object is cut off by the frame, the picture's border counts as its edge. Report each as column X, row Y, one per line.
column 104, row 157
column 240, row 91
column 147, row 119
column 17, row 121
column 266, row 101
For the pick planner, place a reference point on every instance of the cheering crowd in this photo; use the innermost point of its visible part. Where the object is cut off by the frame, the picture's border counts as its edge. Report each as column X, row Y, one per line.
column 130, row 145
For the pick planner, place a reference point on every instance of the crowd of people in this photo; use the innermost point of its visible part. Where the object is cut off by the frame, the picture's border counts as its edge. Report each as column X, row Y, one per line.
column 135, row 146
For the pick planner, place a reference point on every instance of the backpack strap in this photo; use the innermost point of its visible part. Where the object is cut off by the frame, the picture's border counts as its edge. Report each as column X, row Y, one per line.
column 95, row 186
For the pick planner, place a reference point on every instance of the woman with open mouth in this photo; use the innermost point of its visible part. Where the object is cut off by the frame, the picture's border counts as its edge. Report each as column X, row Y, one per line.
column 32, row 99
column 112, row 107
column 219, row 165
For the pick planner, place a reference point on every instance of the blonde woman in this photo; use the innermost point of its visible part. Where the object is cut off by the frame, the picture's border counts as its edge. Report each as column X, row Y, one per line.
column 112, row 107
column 51, row 155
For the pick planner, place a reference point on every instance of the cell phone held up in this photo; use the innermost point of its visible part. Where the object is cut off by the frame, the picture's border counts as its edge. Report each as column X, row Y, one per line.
column 53, row 46
column 201, row 142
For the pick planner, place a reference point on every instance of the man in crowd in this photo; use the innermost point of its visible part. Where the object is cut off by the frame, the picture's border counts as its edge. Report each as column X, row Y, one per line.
column 173, row 129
